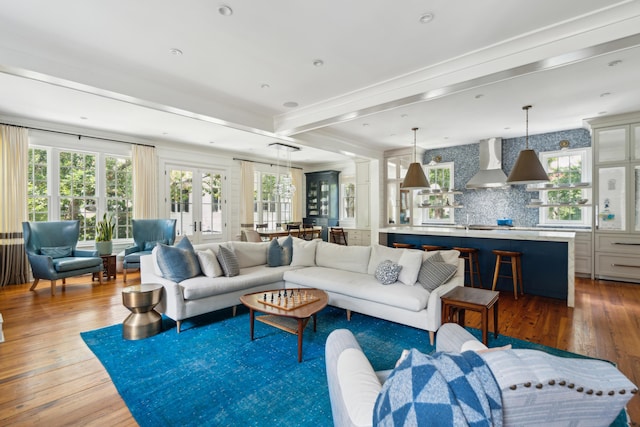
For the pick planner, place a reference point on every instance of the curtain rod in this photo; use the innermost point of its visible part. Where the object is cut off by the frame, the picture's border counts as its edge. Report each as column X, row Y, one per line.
column 78, row 135
column 265, row 163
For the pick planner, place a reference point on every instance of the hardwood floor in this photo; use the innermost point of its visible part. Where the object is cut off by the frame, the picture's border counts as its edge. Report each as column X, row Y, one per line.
column 49, row 376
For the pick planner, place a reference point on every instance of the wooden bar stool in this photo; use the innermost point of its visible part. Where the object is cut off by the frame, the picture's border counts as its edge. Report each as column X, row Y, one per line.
column 403, row 245
column 428, row 248
column 470, row 255
column 513, row 258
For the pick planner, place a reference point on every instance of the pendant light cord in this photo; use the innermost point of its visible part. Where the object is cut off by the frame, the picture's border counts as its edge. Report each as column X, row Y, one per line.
column 415, row 154
column 526, row 109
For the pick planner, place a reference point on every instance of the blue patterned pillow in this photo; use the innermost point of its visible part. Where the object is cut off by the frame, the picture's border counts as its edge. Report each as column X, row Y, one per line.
column 387, row 272
column 179, row 262
column 277, row 254
column 56, row 251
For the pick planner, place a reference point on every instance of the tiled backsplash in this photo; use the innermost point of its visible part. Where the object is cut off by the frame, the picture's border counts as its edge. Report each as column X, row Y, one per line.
column 484, row 206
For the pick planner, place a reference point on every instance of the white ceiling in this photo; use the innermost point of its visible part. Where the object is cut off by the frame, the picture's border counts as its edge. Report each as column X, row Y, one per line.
column 107, row 67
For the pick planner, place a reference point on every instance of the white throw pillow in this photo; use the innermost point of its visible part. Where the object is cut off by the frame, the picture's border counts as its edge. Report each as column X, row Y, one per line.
column 380, row 253
column 359, row 386
column 209, row 263
column 411, row 261
column 304, row 253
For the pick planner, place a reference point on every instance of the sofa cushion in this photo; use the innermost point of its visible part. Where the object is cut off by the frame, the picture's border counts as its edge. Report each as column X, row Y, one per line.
column 202, row 287
column 250, row 253
column 75, row 263
column 435, row 272
column 228, row 261
column 347, row 258
column 387, row 272
column 209, row 263
column 359, row 285
column 380, row 253
column 178, row 262
column 279, row 253
column 57, row 251
column 411, row 261
column 359, row 385
column 304, row 253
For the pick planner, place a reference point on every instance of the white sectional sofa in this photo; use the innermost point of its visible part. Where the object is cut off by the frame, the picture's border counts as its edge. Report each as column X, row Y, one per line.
column 346, row 273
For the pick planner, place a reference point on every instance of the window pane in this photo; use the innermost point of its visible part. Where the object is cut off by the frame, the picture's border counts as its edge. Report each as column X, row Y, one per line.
column 119, row 193
column 37, row 186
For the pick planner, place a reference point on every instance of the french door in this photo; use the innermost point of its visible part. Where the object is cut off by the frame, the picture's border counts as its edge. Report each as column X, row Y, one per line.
column 197, row 200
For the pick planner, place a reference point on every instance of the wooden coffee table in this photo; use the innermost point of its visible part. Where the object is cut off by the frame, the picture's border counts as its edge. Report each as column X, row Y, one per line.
column 290, row 314
column 462, row 298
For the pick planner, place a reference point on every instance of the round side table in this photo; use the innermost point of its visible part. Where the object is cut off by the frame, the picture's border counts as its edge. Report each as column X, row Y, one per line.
column 144, row 321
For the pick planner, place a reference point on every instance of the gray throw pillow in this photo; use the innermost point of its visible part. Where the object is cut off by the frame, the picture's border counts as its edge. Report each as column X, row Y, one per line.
column 179, row 262
column 277, row 254
column 435, row 272
column 387, row 272
column 228, row 261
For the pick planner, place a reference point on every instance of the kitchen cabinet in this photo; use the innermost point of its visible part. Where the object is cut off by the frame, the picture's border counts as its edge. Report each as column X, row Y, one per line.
column 616, row 141
column 583, row 254
column 358, row 237
column 322, row 200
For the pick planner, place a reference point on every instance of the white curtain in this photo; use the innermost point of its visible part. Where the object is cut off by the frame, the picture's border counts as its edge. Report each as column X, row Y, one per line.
column 145, row 182
column 298, row 197
column 14, row 162
column 246, row 194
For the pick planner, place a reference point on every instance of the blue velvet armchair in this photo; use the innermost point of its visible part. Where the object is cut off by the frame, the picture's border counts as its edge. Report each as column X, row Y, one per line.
column 52, row 253
column 146, row 234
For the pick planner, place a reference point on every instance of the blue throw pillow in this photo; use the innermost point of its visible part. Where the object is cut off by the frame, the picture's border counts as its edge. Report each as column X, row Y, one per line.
column 179, row 262
column 277, row 254
column 56, row 251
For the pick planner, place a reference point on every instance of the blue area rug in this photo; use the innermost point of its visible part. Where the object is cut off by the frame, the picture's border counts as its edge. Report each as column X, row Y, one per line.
column 211, row 374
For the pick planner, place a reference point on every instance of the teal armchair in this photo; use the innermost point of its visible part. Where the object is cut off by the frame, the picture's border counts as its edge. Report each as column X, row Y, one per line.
column 146, row 234
column 51, row 250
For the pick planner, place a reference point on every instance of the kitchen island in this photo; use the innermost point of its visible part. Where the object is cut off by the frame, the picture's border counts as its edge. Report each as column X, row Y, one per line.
column 547, row 256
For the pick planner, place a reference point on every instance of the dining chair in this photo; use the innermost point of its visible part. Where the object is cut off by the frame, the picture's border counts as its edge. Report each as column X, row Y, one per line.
column 338, row 236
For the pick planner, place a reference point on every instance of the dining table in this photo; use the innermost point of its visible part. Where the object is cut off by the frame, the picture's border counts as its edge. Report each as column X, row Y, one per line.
column 280, row 232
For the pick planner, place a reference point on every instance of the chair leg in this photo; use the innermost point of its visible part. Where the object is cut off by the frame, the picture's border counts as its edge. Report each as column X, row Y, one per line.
column 473, row 285
column 514, row 273
column 53, row 287
column 477, row 262
column 35, row 283
column 495, row 273
column 520, row 275
column 100, row 274
column 124, row 273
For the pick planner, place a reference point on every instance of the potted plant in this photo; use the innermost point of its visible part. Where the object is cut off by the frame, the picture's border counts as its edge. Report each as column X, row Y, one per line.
column 104, row 235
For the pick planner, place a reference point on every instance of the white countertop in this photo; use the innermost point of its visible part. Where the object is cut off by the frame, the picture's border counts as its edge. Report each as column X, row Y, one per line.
column 509, row 234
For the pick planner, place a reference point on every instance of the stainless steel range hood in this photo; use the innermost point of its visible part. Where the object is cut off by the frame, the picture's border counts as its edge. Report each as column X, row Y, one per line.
column 490, row 174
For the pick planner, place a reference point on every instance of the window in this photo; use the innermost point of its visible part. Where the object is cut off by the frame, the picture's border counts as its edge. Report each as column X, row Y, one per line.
column 570, row 172
column 38, row 186
column 436, row 203
column 398, row 201
column 268, row 208
column 75, row 185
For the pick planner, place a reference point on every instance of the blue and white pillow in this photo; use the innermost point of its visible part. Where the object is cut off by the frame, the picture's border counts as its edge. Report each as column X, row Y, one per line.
column 387, row 272
column 277, row 254
column 179, row 262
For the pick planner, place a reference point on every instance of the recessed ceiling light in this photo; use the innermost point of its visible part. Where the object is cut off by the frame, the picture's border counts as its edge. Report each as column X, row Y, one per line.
column 83, row 118
column 225, row 10
column 175, row 51
column 614, row 63
column 426, row 17
column 602, row 112
column 603, row 94
column 478, row 96
column 265, row 86
column 404, row 115
column 165, row 133
column 212, row 142
column 290, row 104
column 507, row 128
column 318, row 62
column 365, row 124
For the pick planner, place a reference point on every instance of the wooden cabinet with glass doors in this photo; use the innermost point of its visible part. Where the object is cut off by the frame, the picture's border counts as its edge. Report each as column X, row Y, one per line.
column 323, row 200
column 616, row 142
